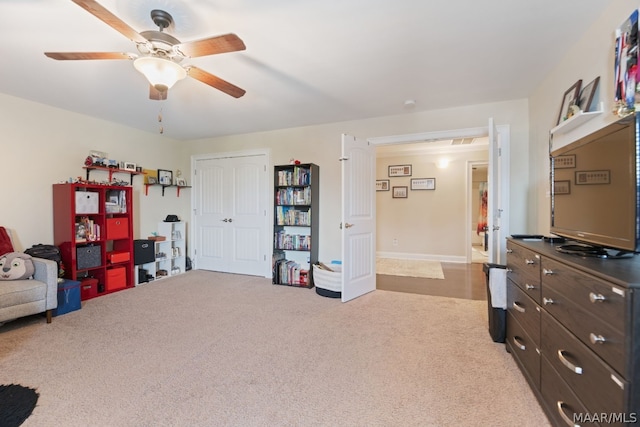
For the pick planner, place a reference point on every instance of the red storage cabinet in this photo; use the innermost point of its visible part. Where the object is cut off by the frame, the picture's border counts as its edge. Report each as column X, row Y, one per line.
column 108, row 230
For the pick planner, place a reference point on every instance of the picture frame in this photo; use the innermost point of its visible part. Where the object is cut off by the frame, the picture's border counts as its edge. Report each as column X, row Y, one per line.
column 382, row 185
column 400, row 192
column 181, row 182
column 587, row 95
column 423, row 184
column 562, row 187
column 128, row 166
column 399, row 170
column 165, row 177
column 570, row 97
column 593, row 177
column 567, row 161
column 152, row 180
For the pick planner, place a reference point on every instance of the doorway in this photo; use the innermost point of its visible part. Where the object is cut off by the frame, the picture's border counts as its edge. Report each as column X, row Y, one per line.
column 478, row 173
column 498, row 172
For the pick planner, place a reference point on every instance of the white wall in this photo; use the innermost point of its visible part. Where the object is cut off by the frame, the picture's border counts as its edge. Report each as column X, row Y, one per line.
column 321, row 145
column 593, row 56
column 42, row 145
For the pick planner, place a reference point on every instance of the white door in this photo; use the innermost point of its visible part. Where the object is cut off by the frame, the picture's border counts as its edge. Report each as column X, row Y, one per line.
column 358, row 218
column 230, row 217
column 497, row 200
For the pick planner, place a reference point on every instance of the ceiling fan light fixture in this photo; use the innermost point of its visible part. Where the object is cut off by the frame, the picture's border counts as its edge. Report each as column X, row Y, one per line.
column 161, row 73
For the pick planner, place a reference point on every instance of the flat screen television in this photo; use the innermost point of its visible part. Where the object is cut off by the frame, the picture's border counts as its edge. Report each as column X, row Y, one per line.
column 594, row 189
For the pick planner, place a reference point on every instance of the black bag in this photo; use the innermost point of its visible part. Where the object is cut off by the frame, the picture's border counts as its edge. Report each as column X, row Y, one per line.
column 51, row 252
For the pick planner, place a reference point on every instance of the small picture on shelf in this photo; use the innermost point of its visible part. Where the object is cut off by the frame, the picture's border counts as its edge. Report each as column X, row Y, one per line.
column 569, row 99
column 181, row 182
column 152, row 180
column 587, row 95
column 165, row 177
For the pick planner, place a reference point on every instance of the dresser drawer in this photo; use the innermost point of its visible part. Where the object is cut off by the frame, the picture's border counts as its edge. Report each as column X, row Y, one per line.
column 607, row 302
column 525, row 310
column 600, row 337
column 563, row 405
column 599, row 387
column 523, row 267
column 523, row 350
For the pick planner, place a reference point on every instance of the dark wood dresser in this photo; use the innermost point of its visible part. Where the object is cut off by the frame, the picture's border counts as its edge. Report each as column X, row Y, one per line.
column 573, row 327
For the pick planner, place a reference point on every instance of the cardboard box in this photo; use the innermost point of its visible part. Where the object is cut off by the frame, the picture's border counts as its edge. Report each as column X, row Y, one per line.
column 116, row 279
column 68, row 297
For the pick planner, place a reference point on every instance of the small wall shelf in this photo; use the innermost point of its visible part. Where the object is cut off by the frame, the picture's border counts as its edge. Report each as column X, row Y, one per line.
column 111, row 172
column 578, row 119
column 178, row 187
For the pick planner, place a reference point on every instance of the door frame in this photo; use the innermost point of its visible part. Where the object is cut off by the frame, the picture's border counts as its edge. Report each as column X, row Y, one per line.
column 267, row 187
column 503, row 138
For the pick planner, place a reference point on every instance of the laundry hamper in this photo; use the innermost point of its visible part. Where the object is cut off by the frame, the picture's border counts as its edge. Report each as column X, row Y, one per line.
column 328, row 283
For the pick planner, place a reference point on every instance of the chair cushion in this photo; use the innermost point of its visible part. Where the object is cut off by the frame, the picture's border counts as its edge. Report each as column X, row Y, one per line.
column 16, row 292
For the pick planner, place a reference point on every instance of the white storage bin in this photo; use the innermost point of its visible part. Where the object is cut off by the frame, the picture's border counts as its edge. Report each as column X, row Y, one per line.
column 328, row 280
column 87, row 202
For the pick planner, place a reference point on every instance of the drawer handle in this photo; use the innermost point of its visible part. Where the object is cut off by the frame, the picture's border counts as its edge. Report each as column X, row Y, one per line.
column 529, row 287
column 594, row 298
column 547, row 301
column 518, row 344
column 509, row 270
column 509, row 251
column 565, row 362
column 560, row 405
column 596, row 339
column 547, row 272
column 518, row 307
column 529, row 261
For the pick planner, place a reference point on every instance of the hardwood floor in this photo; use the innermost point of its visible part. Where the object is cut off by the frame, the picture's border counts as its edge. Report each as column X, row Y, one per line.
column 466, row 281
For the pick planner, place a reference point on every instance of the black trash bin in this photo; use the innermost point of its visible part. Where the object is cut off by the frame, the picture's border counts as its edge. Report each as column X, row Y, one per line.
column 497, row 316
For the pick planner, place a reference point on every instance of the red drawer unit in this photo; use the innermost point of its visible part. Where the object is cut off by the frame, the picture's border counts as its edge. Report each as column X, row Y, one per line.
column 117, row 228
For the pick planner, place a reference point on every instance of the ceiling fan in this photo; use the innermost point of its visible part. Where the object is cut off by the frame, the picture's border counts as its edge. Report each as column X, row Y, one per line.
column 160, row 54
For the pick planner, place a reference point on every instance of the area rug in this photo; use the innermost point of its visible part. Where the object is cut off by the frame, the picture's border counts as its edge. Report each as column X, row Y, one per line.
column 409, row 267
column 16, row 404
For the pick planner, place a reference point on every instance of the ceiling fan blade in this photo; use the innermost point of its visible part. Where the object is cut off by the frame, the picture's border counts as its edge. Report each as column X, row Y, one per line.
column 97, row 10
column 156, row 95
column 87, row 55
column 211, row 46
column 216, row 82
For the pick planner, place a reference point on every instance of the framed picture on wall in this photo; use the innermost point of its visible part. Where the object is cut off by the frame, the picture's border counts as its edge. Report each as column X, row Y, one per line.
column 570, row 98
column 400, row 170
column 400, row 192
column 423, row 184
column 382, row 185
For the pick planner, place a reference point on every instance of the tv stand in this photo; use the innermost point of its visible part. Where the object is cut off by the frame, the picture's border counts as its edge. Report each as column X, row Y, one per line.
column 582, row 249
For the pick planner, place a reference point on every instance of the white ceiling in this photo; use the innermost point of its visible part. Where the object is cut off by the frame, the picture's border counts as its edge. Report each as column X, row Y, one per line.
column 307, row 61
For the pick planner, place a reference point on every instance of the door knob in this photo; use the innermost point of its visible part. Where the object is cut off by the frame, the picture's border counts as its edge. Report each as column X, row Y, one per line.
column 347, row 225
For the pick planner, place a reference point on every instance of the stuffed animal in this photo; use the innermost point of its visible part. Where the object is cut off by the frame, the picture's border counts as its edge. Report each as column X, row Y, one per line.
column 16, row 266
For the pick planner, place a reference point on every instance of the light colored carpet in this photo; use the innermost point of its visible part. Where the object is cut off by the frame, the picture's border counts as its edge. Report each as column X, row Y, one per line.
column 214, row 349
column 409, row 267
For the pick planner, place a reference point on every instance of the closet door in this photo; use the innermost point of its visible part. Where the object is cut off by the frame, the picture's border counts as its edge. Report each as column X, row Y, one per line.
column 230, row 214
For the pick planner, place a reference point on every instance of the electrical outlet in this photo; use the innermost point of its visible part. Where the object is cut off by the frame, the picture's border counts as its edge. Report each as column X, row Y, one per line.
column 395, row 242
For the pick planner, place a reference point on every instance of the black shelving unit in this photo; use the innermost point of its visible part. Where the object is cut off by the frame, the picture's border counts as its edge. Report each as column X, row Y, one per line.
column 295, row 242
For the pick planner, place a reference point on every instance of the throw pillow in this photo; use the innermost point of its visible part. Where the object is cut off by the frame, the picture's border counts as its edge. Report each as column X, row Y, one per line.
column 16, row 266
